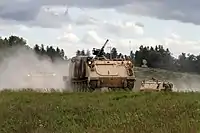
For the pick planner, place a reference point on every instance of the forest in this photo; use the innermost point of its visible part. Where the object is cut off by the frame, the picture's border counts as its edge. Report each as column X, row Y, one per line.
column 156, row 57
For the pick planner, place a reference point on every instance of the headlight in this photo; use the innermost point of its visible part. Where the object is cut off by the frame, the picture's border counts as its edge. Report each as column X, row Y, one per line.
column 28, row 75
column 129, row 62
column 54, row 74
column 89, row 62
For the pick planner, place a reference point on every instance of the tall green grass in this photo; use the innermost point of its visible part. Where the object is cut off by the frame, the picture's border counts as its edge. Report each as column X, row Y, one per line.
column 113, row 112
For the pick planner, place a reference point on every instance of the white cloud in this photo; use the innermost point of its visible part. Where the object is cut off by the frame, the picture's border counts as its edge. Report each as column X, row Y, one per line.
column 69, row 37
column 177, row 44
column 71, row 42
column 47, row 19
column 175, row 36
column 85, row 20
column 68, row 28
column 120, row 28
column 6, row 26
column 92, row 38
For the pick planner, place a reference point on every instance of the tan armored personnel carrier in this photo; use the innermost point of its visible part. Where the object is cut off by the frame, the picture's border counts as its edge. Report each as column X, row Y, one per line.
column 112, row 74
column 155, row 85
column 87, row 73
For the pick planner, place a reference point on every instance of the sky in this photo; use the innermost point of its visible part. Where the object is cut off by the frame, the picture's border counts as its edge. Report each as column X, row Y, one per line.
column 86, row 24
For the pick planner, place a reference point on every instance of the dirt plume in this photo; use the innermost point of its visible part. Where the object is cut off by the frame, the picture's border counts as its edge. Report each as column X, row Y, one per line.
column 21, row 68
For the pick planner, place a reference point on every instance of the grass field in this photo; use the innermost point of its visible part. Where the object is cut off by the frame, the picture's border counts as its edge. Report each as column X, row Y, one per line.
column 119, row 112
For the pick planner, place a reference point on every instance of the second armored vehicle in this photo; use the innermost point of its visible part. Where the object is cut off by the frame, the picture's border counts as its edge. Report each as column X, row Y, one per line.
column 155, row 85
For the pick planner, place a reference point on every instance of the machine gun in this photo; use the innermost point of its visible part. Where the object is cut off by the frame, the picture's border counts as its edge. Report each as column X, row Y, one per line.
column 100, row 52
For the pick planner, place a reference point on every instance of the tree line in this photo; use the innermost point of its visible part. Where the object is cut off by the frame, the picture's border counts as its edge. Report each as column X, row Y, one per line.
column 40, row 50
column 156, row 57
column 160, row 57
column 50, row 51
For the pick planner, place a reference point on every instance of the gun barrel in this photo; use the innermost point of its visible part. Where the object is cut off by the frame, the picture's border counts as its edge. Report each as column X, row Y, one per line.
column 106, row 42
column 101, row 50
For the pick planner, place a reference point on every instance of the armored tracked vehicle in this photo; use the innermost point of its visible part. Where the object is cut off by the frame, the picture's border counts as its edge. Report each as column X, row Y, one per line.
column 155, row 85
column 88, row 73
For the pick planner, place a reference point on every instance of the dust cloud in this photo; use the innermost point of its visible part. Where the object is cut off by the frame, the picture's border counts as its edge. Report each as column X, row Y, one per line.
column 183, row 82
column 21, row 68
column 186, row 83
